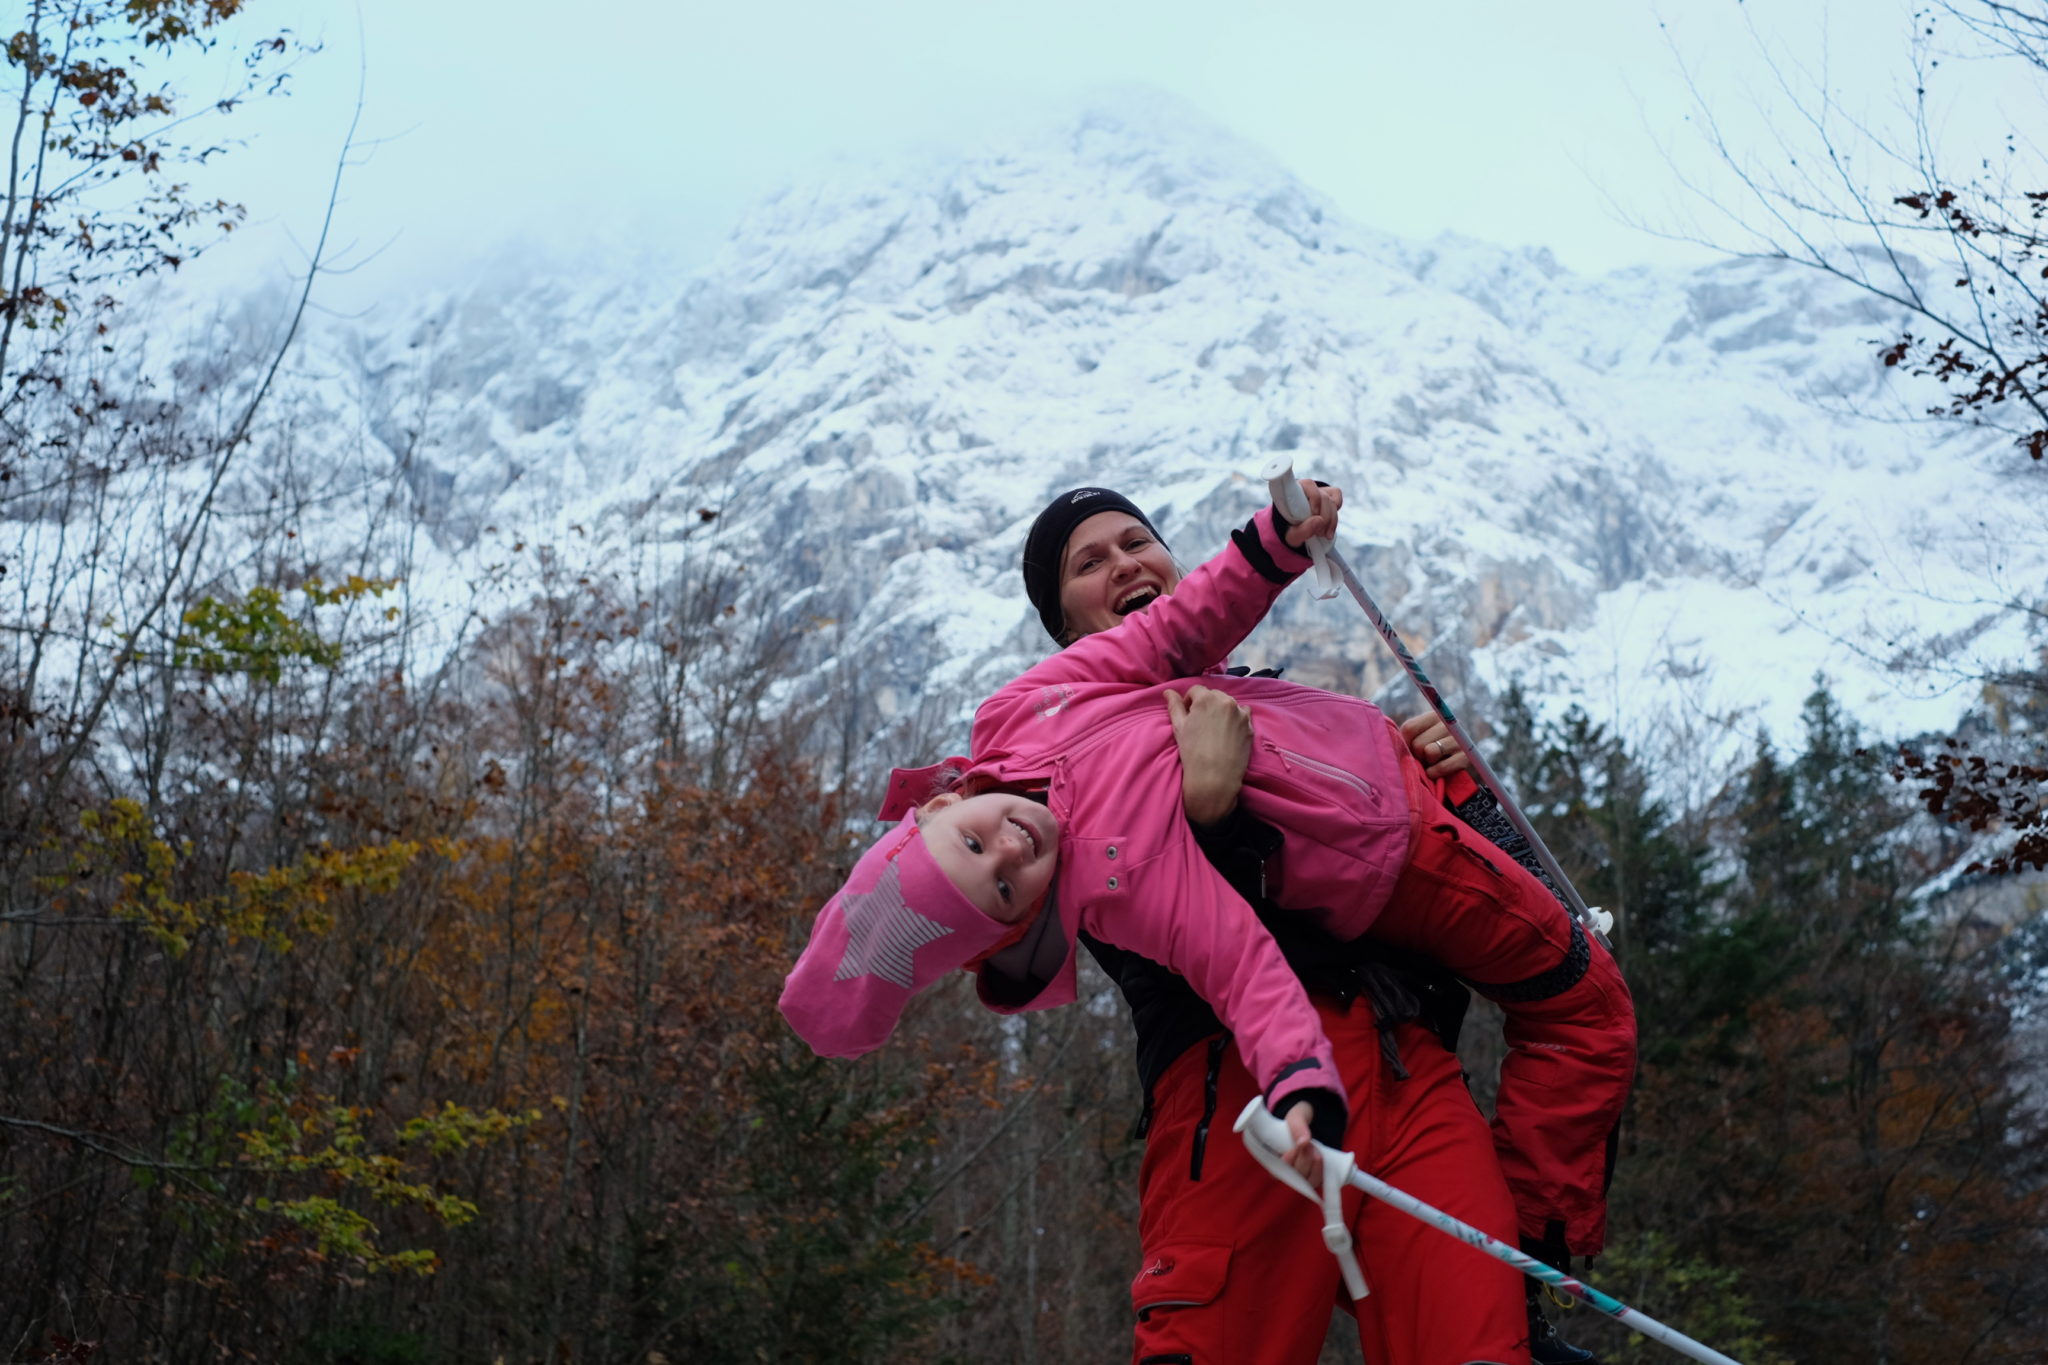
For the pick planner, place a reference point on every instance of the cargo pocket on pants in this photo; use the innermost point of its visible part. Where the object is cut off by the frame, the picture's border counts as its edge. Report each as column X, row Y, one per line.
column 1180, row 1275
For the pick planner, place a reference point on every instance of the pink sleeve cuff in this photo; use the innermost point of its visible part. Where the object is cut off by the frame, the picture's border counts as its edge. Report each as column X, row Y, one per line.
column 1285, row 556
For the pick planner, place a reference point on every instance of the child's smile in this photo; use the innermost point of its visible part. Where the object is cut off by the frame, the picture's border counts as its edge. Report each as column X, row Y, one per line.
column 999, row 849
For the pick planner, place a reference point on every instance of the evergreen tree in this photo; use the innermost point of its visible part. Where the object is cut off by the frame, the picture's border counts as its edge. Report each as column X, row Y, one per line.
column 1828, row 1102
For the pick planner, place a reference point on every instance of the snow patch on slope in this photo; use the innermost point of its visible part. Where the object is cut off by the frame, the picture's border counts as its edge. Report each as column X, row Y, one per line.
column 1628, row 488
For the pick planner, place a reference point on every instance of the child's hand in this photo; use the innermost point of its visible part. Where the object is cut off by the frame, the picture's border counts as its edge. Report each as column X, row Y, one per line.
column 1322, row 514
column 1214, row 733
column 1304, row 1156
column 1429, row 739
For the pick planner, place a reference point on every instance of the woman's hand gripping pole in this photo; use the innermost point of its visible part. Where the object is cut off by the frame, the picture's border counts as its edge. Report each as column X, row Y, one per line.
column 1269, row 1141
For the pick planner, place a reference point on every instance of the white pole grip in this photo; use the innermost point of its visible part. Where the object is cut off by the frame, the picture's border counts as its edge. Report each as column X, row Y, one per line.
column 1268, row 1139
column 1293, row 505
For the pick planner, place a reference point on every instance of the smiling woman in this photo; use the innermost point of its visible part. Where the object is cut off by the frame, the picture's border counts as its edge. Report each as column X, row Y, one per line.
column 1093, row 558
column 1114, row 565
column 1090, row 559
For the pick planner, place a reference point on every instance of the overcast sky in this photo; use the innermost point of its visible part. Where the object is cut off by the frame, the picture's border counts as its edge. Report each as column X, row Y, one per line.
column 1508, row 120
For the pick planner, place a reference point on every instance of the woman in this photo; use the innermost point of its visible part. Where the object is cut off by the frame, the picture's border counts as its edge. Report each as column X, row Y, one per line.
column 1076, row 750
column 1233, row 1267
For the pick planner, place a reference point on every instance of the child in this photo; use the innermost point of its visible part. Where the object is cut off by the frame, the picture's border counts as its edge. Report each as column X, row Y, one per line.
column 1068, row 819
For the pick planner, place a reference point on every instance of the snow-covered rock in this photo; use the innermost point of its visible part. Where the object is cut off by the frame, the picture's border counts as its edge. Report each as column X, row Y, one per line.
column 1647, row 490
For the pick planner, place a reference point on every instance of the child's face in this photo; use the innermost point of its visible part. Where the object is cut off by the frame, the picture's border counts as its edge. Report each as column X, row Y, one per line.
column 999, row 850
column 1111, row 567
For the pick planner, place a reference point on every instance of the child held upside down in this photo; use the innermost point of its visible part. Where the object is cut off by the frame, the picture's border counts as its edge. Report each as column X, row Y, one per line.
column 1068, row 818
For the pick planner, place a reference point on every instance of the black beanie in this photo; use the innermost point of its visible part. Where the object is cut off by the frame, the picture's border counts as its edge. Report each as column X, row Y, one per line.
column 1047, row 545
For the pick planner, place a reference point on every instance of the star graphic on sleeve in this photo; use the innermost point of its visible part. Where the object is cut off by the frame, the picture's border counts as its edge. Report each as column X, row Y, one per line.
column 883, row 934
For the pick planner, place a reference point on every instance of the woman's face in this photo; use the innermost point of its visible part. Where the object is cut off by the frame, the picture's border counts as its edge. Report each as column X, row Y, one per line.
column 1112, row 566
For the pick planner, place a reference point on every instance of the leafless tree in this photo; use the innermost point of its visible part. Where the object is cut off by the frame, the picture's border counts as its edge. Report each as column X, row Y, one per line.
column 1954, row 240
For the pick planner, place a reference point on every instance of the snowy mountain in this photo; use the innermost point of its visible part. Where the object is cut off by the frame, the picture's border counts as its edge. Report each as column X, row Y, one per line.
column 1648, row 491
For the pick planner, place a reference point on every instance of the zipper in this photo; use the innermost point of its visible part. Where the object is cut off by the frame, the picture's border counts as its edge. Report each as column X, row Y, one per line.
column 1209, row 1083
column 1290, row 759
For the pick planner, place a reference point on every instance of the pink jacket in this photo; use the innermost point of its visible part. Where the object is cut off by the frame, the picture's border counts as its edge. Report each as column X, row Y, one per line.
column 1092, row 725
column 1324, row 772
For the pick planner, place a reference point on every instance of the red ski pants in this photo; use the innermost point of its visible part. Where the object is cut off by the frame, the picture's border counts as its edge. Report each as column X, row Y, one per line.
column 1571, row 1027
column 1234, row 1269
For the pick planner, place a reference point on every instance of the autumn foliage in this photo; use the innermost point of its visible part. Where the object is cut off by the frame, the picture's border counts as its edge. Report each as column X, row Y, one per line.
column 412, row 1022
column 477, row 998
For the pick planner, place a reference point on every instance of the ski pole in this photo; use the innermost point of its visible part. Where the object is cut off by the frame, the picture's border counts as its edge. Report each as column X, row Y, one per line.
column 1267, row 1139
column 1331, row 570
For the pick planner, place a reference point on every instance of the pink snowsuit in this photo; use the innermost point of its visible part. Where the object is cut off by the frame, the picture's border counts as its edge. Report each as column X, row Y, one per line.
column 1091, row 724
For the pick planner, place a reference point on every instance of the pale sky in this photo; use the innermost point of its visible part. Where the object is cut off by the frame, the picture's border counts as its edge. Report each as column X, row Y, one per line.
column 1513, row 121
